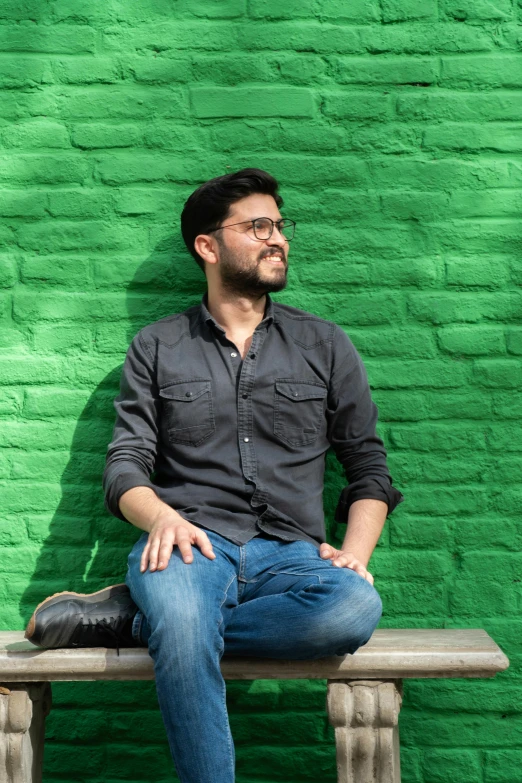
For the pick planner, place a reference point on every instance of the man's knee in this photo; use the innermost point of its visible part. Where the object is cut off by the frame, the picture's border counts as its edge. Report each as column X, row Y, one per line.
column 351, row 617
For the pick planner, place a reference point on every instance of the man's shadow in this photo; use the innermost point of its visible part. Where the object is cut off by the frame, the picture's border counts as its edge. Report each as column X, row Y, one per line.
column 87, row 548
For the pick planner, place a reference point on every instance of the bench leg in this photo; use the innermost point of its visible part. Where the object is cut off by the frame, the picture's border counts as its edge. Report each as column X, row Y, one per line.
column 365, row 716
column 23, row 709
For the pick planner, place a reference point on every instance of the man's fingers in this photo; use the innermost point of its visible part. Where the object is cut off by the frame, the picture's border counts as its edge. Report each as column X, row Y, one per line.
column 203, row 542
column 183, row 542
column 145, row 557
column 153, row 552
column 165, row 550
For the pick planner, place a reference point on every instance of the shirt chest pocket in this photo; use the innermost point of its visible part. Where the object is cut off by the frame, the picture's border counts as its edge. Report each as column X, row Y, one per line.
column 187, row 411
column 299, row 411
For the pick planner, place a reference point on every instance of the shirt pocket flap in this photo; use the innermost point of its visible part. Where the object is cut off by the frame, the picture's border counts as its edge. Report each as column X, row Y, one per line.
column 301, row 390
column 185, row 391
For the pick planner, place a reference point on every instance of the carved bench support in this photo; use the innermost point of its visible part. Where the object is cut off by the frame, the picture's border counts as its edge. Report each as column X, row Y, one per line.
column 23, row 709
column 365, row 715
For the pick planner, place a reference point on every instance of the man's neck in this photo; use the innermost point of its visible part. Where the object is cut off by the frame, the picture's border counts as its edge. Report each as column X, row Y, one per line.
column 236, row 314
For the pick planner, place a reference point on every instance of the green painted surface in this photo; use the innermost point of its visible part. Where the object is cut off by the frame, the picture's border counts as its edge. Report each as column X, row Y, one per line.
column 394, row 128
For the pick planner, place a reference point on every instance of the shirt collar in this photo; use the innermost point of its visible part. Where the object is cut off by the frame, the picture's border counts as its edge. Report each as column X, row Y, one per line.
column 268, row 317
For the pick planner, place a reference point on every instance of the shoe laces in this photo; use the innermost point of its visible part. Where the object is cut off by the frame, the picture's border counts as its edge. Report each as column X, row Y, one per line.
column 94, row 630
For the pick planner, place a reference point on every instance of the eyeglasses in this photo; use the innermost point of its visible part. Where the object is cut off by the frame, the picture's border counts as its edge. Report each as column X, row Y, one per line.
column 263, row 228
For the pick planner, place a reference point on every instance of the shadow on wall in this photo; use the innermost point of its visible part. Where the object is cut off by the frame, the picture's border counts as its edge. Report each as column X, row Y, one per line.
column 87, row 548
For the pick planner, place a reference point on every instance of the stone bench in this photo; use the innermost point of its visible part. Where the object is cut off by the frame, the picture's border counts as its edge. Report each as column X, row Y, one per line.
column 363, row 699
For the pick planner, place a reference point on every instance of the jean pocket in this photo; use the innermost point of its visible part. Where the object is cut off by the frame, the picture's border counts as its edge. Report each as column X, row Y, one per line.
column 187, row 410
column 299, row 411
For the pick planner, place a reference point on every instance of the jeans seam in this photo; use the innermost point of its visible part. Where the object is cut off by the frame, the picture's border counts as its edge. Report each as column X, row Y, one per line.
column 224, row 688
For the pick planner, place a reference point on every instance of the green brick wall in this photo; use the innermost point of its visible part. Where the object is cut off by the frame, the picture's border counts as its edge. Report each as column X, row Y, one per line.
column 394, row 127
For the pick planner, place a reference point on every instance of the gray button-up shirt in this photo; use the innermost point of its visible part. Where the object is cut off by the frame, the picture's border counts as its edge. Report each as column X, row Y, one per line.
column 238, row 446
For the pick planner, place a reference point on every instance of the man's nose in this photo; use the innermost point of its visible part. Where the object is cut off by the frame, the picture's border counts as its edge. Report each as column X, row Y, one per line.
column 277, row 238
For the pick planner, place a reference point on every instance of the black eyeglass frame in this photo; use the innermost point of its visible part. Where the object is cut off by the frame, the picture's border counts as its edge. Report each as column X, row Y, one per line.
column 273, row 222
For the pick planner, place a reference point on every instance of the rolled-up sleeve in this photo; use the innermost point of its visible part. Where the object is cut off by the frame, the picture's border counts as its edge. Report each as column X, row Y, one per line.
column 352, row 419
column 132, row 452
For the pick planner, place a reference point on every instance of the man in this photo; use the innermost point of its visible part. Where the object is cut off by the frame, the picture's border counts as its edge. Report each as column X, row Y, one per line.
column 224, row 418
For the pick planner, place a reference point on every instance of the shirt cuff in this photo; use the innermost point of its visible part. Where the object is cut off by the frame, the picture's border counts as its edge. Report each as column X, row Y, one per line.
column 367, row 489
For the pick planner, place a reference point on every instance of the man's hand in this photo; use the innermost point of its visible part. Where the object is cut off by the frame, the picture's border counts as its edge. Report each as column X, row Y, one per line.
column 165, row 535
column 343, row 559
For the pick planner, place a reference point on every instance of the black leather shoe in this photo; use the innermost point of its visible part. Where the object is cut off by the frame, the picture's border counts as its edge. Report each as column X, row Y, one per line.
column 102, row 619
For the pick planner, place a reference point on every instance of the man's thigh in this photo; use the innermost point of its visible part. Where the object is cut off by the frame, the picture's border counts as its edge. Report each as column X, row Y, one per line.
column 185, row 594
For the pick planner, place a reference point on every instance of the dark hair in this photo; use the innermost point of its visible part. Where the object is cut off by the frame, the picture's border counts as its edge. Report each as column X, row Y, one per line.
column 210, row 204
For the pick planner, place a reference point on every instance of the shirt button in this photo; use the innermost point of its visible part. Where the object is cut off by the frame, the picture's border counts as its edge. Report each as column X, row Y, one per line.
column 245, row 396
column 296, row 394
column 233, row 355
column 188, row 394
column 252, row 356
column 246, row 440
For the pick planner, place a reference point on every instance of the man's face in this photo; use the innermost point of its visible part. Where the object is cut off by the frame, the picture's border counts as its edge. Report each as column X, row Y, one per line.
column 249, row 266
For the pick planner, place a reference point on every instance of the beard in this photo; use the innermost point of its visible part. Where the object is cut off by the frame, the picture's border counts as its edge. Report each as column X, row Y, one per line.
column 242, row 277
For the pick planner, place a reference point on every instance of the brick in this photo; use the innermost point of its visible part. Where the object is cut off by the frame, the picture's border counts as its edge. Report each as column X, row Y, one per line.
column 445, row 307
column 503, row 437
column 63, row 39
column 19, row 71
column 465, row 137
column 300, row 36
column 489, row 70
column 411, row 466
column 101, row 135
column 394, row 342
column 16, row 369
column 514, row 341
column 476, row 531
column 385, row 70
column 455, row 106
column 41, row 168
column 358, row 12
column 70, row 236
column 356, row 106
column 462, row 765
column 503, row 765
column 464, row 10
column 444, row 501
column 50, row 403
column 80, row 203
column 154, row 69
column 56, row 270
column 243, row 67
column 252, row 102
column 407, row 10
column 479, row 271
column 472, row 340
column 117, row 102
column 429, row 373
column 498, row 373
column 420, row 532
column 504, row 567
column 87, row 70
column 299, row 68
column 417, row 205
column 412, row 565
column 8, row 272
column 507, row 405
column 447, row 436
column 61, row 339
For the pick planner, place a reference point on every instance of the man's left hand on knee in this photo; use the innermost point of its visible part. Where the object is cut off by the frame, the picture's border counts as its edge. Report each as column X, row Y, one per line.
column 343, row 559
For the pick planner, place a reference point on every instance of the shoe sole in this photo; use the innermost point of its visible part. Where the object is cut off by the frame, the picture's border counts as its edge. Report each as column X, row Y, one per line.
column 100, row 595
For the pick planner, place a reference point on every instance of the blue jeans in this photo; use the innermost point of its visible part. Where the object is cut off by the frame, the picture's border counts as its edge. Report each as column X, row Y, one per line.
column 267, row 598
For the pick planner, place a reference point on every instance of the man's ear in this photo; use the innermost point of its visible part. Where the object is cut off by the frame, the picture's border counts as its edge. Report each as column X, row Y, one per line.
column 206, row 247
